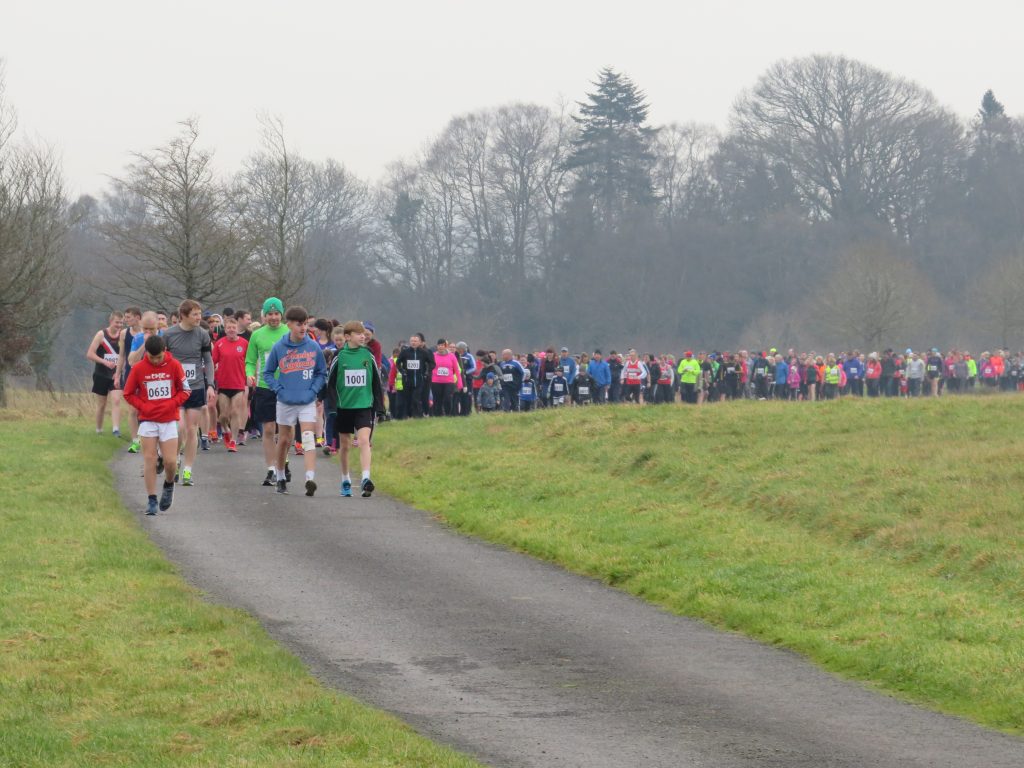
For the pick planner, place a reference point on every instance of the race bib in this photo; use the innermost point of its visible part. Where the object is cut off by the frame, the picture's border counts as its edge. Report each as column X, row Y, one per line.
column 507, row 378
column 110, row 358
column 443, row 371
column 158, row 390
column 566, row 368
column 355, row 378
column 412, row 365
column 584, row 390
column 190, row 371
column 557, row 388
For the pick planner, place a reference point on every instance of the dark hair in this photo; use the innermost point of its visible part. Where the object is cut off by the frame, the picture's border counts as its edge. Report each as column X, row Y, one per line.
column 296, row 314
column 133, row 311
column 322, row 324
column 442, row 341
column 421, row 337
column 155, row 345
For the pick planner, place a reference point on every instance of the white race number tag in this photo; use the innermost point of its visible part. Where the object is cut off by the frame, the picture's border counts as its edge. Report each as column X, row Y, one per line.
column 443, row 371
column 506, row 377
column 110, row 358
column 158, row 390
column 412, row 365
column 190, row 371
column 355, row 378
column 584, row 390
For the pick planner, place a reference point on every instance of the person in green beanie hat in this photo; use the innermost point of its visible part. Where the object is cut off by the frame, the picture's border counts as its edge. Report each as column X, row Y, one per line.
column 264, row 401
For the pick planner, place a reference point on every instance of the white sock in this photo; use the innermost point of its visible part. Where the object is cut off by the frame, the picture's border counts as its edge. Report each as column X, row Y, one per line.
column 281, row 475
column 187, row 469
column 272, row 468
column 346, row 478
column 366, row 474
column 310, row 474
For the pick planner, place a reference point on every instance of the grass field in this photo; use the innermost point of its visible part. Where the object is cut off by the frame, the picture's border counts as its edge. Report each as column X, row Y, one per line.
column 108, row 658
column 883, row 540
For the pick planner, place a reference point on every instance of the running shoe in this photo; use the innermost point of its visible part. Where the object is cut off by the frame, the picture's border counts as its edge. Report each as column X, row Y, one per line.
column 327, row 450
column 135, row 446
column 151, row 509
column 320, row 442
column 166, row 497
column 115, row 432
column 298, row 449
column 230, row 444
column 186, row 477
column 282, row 486
column 213, row 436
column 310, row 487
column 270, row 479
column 241, row 437
column 346, row 488
column 367, row 487
column 205, row 442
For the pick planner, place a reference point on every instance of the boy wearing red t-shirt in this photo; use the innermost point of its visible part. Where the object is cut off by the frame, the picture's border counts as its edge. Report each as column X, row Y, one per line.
column 157, row 388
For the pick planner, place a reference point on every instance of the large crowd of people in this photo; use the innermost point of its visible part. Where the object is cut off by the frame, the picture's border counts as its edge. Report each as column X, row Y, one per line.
column 300, row 384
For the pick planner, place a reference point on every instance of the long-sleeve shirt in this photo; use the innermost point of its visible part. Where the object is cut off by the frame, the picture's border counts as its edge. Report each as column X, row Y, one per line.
column 300, row 370
column 156, row 392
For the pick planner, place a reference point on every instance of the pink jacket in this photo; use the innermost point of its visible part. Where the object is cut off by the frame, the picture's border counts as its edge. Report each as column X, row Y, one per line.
column 446, row 369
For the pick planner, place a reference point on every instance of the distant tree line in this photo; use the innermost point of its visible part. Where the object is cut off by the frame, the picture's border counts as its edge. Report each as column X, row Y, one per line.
column 842, row 205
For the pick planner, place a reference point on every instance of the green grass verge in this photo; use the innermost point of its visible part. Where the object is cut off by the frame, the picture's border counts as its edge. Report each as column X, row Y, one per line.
column 108, row 658
column 883, row 540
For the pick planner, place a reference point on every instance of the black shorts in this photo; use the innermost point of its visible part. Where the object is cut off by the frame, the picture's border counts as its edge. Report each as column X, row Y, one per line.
column 197, row 399
column 350, row 420
column 102, row 386
column 264, row 406
column 230, row 393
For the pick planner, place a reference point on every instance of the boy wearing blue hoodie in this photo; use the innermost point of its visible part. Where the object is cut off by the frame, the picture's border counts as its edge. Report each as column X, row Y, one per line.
column 295, row 371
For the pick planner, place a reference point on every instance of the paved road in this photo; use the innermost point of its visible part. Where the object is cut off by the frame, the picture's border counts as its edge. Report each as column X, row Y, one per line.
column 515, row 661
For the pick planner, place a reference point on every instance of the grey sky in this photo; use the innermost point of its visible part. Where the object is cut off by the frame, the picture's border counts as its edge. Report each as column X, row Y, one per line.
column 368, row 83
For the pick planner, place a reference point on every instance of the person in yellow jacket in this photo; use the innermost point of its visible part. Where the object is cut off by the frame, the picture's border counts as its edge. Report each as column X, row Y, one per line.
column 689, row 373
column 832, row 378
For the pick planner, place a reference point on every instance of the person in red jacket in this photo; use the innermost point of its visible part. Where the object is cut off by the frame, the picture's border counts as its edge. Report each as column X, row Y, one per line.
column 157, row 388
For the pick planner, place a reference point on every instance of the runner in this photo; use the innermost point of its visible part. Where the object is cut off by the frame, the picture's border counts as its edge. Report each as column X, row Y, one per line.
column 415, row 365
column 229, row 377
column 295, row 371
column 132, row 317
column 264, row 402
column 633, row 376
column 354, row 391
column 157, row 387
column 102, row 351
column 189, row 344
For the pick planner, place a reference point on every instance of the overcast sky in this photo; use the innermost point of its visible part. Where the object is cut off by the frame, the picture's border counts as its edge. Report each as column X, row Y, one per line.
column 368, row 83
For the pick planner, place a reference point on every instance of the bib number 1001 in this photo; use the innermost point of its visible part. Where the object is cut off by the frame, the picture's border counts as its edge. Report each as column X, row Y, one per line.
column 355, row 378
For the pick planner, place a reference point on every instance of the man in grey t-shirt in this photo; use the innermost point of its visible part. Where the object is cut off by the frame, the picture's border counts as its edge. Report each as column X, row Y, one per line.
column 190, row 345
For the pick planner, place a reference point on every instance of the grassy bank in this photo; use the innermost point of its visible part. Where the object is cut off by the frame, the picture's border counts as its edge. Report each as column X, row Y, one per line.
column 884, row 540
column 108, row 658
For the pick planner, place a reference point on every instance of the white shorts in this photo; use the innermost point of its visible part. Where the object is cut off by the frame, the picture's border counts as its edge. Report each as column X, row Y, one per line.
column 163, row 430
column 289, row 414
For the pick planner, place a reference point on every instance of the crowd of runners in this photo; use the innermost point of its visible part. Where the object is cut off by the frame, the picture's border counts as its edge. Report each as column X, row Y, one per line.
column 300, row 384
column 292, row 381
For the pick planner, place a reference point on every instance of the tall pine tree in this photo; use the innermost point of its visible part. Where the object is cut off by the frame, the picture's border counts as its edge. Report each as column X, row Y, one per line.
column 612, row 155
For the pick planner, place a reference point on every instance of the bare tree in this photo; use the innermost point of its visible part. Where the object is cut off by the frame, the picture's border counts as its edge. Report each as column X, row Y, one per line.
column 168, row 227
column 33, row 256
column 292, row 213
column 875, row 296
column 998, row 300
column 682, row 169
column 856, row 141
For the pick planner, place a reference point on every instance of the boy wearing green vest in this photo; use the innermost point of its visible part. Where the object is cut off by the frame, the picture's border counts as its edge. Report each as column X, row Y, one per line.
column 355, row 393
